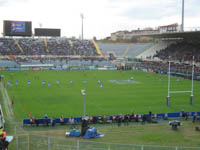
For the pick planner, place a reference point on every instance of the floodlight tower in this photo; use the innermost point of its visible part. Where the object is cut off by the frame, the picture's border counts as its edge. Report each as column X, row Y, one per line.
column 182, row 25
column 82, row 17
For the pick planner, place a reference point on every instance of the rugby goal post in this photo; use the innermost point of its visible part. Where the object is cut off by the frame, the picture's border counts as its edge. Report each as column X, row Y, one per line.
column 172, row 92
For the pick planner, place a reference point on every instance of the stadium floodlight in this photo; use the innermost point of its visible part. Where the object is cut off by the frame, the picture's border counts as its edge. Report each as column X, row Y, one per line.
column 82, row 17
column 182, row 25
column 83, row 92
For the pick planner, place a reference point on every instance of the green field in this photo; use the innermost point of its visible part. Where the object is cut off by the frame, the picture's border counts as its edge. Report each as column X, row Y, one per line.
column 148, row 93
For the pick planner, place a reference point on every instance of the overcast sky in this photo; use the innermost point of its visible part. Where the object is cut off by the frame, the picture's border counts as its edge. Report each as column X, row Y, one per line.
column 102, row 17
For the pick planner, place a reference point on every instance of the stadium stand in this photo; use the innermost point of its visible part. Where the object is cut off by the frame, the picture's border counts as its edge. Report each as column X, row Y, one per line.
column 119, row 49
column 57, row 46
column 116, row 48
column 126, row 51
column 181, row 51
column 32, row 46
column 16, row 43
column 84, row 48
column 177, row 69
column 138, row 48
column 8, row 47
column 97, row 48
column 46, row 46
column 71, row 45
column 149, row 53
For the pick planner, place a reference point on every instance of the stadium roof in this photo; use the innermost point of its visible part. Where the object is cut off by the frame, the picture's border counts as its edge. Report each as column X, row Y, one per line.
column 185, row 35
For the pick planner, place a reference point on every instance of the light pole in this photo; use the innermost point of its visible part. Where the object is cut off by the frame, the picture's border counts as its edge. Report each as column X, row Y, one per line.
column 182, row 25
column 83, row 92
column 82, row 17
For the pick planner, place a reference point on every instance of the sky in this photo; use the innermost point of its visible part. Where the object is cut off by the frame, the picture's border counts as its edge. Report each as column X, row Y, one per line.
column 101, row 17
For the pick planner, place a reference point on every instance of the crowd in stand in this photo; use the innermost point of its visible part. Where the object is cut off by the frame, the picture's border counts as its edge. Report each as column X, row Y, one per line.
column 181, row 51
column 85, row 48
column 52, row 46
column 32, row 46
column 59, row 47
column 8, row 47
column 162, row 67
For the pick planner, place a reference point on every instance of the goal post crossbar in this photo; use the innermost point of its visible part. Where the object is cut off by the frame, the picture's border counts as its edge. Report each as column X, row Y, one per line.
column 171, row 92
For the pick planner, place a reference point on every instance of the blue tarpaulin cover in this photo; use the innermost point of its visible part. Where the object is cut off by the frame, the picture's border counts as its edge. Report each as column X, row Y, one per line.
column 75, row 133
column 92, row 133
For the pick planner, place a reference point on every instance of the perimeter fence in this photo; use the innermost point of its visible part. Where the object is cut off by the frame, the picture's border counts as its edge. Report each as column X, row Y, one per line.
column 36, row 142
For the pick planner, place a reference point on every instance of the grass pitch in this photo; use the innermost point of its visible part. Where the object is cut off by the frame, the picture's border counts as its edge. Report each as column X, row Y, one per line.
column 147, row 92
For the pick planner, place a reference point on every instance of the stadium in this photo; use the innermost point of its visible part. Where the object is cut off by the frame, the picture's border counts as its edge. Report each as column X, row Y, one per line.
column 136, row 90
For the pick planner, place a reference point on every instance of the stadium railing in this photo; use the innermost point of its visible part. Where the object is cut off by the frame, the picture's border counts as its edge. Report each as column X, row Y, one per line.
column 32, row 142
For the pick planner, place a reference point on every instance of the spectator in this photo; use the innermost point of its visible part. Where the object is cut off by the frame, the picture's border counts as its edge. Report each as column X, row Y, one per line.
column 144, row 119
column 166, row 117
column 46, row 120
column 62, row 121
column 37, row 122
column 119, row 120
column 32, row 121
column 84, row 127
column 194, row 117
column 72, row 123
column 3, row 143
column 53, row 122
column 126, row 119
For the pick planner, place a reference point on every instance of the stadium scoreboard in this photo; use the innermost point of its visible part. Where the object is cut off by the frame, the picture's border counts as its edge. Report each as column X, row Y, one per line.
column 17, row 28
column 47, row 32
